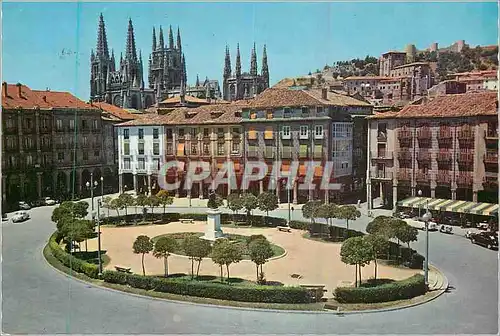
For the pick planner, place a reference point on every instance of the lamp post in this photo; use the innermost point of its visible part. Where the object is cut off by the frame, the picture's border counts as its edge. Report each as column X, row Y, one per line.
column 419, row 206
column 285, row 184
column 102, row 188
column 99, row 204
column 92, row 185
column 427, row 216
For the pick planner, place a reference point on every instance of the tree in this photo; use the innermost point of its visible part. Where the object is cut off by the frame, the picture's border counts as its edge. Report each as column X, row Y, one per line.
column 267, row 201
column 106, row 202
column 226, row 253
column 125, row 201
column 142, row 245
column 153, row 201
column 163, row 248
column 356, row 251
column 214, row 201
column 309, row 210
column 260, row 251
column 142, row 201
column 407, row 234
column 196, row 249
column 165, row 199
column 378, row 245
column 115, row 204
column 66, row 215
column 234, row 203
column 348, row 212
column 249, row 202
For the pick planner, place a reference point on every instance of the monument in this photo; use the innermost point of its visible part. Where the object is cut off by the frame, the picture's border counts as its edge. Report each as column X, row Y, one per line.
column 213, row 229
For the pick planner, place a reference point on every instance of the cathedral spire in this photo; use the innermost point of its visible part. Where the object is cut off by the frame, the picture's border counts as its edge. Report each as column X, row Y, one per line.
column 92, row 56
column 161, row 41
column 238, row 61
column 253, row 62
column 265, row 68
column 154, row 39
column 102, row 42
column 170, row 38
column 197, row 80
column 179, row 45
column 227, row 64
column 112, row 61
column 130, row 53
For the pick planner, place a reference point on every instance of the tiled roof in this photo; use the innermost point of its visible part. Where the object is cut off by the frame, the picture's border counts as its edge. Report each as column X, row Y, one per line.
column 411, row 64
column 207, row 114
column 58, row 99
column 476, row 73
column 394, row 52
column 187, row 98
column 336, row 99
column 277, row 97
column 28, row 99
column 447, row 106
column 115, row 111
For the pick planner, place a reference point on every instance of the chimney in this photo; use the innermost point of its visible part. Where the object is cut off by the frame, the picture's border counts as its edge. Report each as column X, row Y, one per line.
column 19, row 92
column 44, row 98
column 4, row 89
column 324, row 93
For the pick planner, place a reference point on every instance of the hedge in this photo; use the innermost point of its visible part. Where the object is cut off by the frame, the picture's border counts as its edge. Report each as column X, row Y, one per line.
column 397, row 290
column 264, row 294
column 77, row 265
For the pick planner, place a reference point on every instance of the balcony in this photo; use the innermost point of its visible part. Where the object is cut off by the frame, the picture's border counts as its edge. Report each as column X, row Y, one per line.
column 445, row 134
column 464, row 179
column 491, row 157
column 422, row 177
column 424, row 133
column 491, row 134
column 423, row 155
column 382, row 155
column 465, row 158
column 444, row 156
column 404, row 156
column 465, row 134
column 443, row 178
column 381, row 175
column 490, row 181
column 404, row 175
column 404, row 134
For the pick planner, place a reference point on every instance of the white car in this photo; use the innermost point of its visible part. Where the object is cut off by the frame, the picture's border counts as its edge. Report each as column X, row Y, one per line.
column 49, row 201
column 421, row 225
column 20, row 216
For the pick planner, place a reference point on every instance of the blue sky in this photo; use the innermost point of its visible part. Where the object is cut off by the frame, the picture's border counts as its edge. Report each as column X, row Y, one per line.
column 300, row 37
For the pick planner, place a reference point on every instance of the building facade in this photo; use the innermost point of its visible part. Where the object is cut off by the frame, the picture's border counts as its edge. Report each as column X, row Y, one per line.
column 239, row 85
column 447, row 148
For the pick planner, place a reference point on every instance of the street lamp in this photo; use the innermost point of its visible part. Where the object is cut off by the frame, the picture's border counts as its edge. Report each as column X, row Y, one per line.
column 427, row 216
column 419, row 206
column 92, row 185
column 285, row 184
column 99, row 204
column 102, row 188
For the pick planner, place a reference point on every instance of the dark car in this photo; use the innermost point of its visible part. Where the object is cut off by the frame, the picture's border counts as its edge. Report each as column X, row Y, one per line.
column 23, row 205
column 488, row 239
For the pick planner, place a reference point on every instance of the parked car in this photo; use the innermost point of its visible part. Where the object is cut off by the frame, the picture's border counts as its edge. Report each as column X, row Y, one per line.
column 4, row 217
column 421, row 225
column 488, row 239
column 20, row 216
column 23, row 205
column 445, row 229
column 49, row 201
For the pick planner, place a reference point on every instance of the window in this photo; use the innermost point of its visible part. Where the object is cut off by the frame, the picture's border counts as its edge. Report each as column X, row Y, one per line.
column 304, row 132
column 126, row 163
column 29, row 160
column 170, row 149
column 220, row 132
column 235, row 148
column 268, row 133
column 10, row 123
column 236, row 132
column 45, row 159
column 206, row 132
column 126, row 134
column 142, row 163
column 169, row 133
column 220, row 149
column 181, row 132
column 194, row 149
column 60, row 156
column 12, row 161
column 269, row 114
column 84, row 124
column 285, row 131
column 141, row 134
column 85, row 141
column 85, row 156
column 126, row 148
column 305, row 111
column 156, row 164
column 156, row 148
column 318, row 131
column 194, row 133
column 319, row 110
column 206, row 149
column 95, row 124
column 59, row 124
column 155, row 133
column 28, row 123
column 287, row 113
column 71, row 124
column 141, row 148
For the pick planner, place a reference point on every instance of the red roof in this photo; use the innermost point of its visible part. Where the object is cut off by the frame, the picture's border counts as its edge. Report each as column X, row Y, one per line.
column 58, row 99
column 115, row 111
column 26, row 98
column 449, row 106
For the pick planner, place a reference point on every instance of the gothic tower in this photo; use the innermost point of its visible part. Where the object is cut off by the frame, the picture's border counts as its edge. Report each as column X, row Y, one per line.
column 100, row 64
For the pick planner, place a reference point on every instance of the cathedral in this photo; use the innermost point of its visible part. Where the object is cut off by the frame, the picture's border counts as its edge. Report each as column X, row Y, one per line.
column 238, row 85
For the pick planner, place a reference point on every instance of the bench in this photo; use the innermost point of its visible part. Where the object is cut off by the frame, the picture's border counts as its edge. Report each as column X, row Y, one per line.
column 317, row 291
column 284, row 228
column 123, row 269
column 186, row 220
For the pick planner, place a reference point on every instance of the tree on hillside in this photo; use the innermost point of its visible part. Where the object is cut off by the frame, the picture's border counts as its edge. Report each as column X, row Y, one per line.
column 260, row 251
column 196, row 249
column 348, row 212
column 163, row 248
column 356, row 251
column 378, row 245
column 226, row 253
column 142, row 245
column 165, row 199
column 267, row 201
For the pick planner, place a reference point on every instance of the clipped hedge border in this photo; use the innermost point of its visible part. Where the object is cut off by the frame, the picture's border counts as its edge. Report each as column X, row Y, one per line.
column 77, row 265
column 397, row 290
column 262, row 294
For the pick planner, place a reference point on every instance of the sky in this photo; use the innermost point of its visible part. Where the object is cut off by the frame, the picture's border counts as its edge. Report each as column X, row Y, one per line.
column 48, row 45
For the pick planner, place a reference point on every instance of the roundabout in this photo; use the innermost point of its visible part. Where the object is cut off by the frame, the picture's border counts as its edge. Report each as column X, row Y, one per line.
column 39, row 300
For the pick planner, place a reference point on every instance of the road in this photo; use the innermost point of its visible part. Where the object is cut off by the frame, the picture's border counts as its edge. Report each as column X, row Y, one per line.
column 37, row 299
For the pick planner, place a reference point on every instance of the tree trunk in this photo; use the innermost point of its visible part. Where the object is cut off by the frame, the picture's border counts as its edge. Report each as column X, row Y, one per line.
column 192, row 268
column 221, row 274
column 164, row 207
column 347, row 230
column 165, row 260
column 375, row 268
column 198, row 269
column 227, row 268
column 257, row 266
column 86, row 249
column 143, row 269
column 356, row 275
column 359, row 267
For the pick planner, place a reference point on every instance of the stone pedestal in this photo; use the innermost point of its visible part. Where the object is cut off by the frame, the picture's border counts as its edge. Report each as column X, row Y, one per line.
column 213, row 229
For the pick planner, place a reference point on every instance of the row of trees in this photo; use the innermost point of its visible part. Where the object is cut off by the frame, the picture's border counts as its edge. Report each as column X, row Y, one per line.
column 223, row 252
column 125, row 200
column 267, row 201
column 360, row 251
column 329, row 211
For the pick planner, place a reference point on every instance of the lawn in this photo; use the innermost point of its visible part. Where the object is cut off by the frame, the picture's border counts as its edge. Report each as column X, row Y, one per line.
column 238, row 239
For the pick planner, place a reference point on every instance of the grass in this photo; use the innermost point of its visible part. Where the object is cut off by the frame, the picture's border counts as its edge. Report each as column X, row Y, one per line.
column 91, row 257
column 214, row 279
column 240, row 239
column 325, row 238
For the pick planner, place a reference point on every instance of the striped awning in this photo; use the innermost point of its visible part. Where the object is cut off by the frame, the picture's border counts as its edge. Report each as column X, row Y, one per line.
column 486, row 209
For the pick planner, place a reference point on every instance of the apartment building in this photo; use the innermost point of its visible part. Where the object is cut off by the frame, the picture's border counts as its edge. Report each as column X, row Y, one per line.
column 446, row 147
